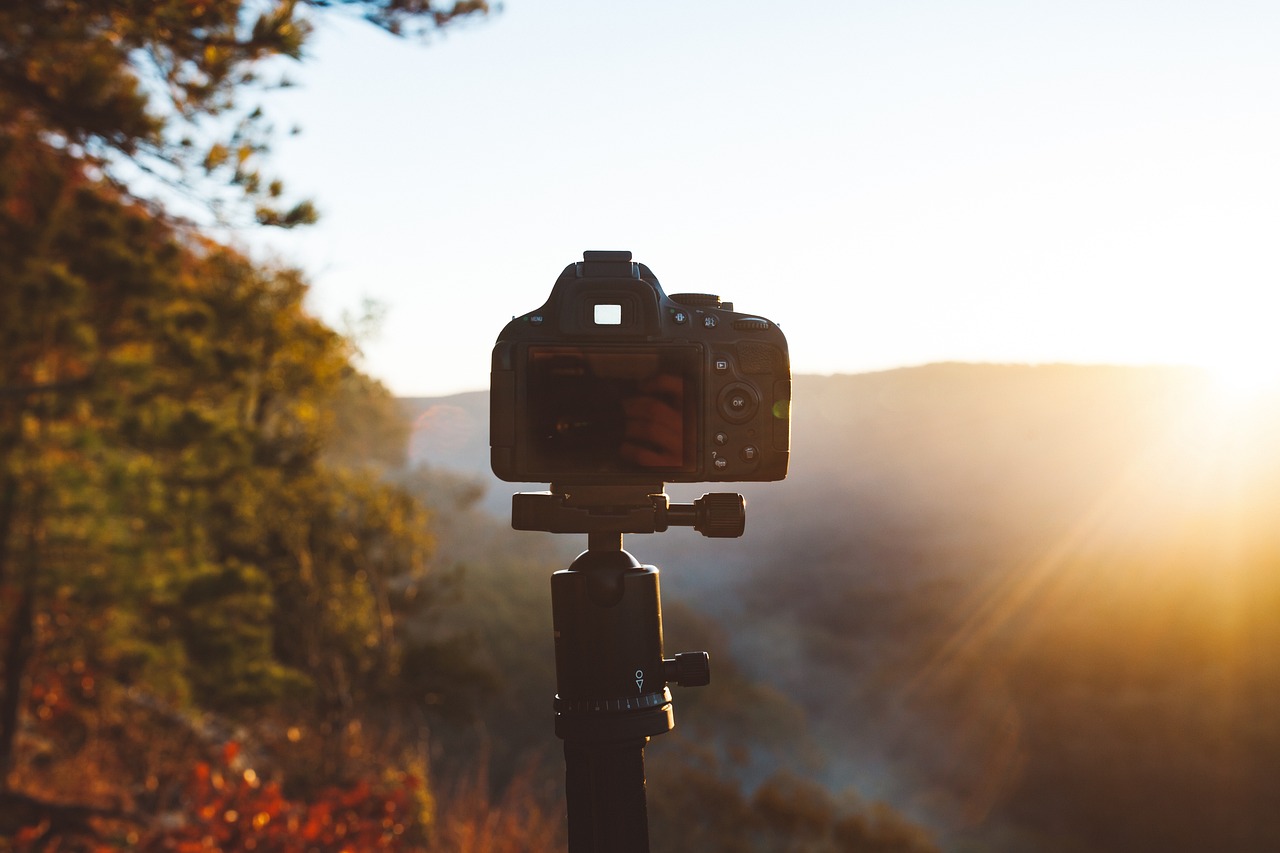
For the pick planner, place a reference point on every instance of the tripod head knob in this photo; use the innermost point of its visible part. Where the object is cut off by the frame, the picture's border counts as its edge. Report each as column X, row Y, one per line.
column 720, row 515
column 689, row 669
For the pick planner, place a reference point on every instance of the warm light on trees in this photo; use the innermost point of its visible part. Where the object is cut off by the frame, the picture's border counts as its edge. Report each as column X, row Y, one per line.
column 160, row 96
column 180, row 531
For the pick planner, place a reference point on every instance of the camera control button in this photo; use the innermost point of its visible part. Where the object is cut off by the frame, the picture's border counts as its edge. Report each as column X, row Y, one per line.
column 720, row 364
column 721, row 438
column 738, row 403
column 679, row 317
column 710, row 321
column 750, row 453
column 719, row 461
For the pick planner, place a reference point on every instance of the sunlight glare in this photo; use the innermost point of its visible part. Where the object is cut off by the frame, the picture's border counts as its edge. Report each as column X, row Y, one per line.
column 1246, row 378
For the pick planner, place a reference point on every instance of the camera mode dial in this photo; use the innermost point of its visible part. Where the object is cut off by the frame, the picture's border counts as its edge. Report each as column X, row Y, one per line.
column 699, row 300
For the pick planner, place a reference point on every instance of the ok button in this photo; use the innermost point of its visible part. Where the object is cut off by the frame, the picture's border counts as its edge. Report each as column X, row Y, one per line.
column 738, row 403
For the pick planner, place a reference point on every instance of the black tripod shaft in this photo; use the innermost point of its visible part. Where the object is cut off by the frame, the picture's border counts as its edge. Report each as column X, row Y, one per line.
column 604, row 783
column 612, row 693
column 611, row 676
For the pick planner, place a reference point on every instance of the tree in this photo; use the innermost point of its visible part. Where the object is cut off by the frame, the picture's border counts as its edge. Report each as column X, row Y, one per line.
column 178, row 531
column 158, row 88
column 178, row 525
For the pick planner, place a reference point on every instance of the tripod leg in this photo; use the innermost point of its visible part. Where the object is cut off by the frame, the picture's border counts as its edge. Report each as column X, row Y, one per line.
column 604, row 782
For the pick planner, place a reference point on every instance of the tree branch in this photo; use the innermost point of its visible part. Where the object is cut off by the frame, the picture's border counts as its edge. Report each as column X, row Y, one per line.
column 74, row 384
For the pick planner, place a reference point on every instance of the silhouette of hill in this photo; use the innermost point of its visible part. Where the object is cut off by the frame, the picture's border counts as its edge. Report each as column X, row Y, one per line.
column 1032, row 607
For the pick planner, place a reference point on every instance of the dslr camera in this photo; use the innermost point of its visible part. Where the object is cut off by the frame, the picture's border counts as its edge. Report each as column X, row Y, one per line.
column 613, row 382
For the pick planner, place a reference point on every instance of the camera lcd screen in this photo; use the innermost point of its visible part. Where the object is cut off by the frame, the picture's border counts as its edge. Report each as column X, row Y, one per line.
column 609, row 409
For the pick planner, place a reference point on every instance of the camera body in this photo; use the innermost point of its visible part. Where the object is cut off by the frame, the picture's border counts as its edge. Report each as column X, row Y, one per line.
column 612, row 382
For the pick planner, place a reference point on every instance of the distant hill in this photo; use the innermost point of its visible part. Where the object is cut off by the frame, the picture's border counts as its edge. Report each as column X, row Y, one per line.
column 1017, row 448
column 1032, row 607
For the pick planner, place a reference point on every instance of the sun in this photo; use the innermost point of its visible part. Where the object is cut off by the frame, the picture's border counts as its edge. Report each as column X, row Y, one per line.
column 1247, row 378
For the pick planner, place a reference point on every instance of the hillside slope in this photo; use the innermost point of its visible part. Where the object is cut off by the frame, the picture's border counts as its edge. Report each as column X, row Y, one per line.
column 1031, row 606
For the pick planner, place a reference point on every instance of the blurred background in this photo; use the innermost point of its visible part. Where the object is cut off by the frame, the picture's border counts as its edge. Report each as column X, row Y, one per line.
column 258, row 588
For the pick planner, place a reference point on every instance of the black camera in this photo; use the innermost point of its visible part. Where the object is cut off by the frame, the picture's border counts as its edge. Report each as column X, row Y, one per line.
column 613, row 382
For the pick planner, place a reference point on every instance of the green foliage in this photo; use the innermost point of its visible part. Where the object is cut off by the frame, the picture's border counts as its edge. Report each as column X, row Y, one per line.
column 196, row 532
column 164, row 88
column 179, row 528
column 369, row 429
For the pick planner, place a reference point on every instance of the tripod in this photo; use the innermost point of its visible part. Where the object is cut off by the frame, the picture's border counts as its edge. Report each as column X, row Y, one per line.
column 612, row 680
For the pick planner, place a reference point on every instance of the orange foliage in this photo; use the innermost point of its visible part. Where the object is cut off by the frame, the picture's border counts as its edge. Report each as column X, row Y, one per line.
column 226, row 806
column 229, row 808
column 519, row 822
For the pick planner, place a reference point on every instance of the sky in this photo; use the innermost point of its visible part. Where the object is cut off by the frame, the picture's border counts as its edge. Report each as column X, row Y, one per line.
column 892, row 183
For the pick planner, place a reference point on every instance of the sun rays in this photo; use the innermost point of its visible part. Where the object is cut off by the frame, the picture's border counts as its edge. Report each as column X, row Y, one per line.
column 1153, row 588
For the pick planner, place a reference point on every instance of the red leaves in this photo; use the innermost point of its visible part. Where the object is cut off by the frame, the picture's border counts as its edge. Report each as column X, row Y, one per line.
column 230, row 808
column 61, row 692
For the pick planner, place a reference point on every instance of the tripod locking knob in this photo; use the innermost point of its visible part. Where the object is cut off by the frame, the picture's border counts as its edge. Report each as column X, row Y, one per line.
column 720, row 515
column 690, row 669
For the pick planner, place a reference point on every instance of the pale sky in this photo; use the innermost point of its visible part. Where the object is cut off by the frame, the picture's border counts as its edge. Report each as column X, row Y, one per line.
column 893, row 183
